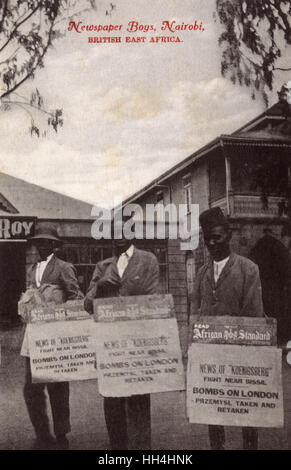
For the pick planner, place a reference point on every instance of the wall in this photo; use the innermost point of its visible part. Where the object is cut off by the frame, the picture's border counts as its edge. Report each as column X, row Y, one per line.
column 217, row 176
column 178, row 287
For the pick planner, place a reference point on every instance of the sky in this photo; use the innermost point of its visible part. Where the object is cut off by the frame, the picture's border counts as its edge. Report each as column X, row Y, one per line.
column 131, row 111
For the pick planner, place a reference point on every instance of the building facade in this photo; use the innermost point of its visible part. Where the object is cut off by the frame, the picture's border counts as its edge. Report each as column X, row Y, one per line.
column 247, row 174
column 22, row 206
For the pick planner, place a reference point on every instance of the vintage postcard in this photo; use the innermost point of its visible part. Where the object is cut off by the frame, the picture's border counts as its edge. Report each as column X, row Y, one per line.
column 145, row 171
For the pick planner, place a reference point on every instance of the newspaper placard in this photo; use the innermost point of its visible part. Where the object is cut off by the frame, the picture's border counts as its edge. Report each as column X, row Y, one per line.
column 134, row 307
column 62, row 351
column 50, row 311
column 235, row 330
column 137, row 356
column 235, row 385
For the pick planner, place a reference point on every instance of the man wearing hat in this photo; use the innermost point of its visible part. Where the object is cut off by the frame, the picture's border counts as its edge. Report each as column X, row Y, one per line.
column 228, row 284
column 130, row 272
column 62, row 275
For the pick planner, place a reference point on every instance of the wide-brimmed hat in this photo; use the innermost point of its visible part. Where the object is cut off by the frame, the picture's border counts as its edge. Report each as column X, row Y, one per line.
column 46, row 232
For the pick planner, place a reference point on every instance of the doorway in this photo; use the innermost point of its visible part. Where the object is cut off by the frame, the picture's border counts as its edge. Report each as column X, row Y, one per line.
column 12, row 281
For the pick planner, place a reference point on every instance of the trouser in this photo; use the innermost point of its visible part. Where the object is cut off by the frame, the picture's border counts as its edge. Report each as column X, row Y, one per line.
column 128, row 421
column 35, row 399
column 217, row 437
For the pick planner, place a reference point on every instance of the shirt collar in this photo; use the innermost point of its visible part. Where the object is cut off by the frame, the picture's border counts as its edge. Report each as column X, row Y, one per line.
column 222, row 262
column 129, row 251
column 48, row 259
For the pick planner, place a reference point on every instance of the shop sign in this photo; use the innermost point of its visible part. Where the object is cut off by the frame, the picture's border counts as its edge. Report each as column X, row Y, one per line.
column 16, row 228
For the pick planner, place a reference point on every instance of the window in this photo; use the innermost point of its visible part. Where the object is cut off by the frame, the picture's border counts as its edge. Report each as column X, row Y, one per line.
column 161, row 251
column 187, row 191
column 84, row 256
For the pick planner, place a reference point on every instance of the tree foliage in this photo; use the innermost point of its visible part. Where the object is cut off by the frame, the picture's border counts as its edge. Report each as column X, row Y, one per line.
column 255, row 32
column 28, row 28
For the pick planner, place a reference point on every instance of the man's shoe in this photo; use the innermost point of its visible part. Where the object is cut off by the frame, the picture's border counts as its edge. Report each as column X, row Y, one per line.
column 62, row 442
column 44, row 443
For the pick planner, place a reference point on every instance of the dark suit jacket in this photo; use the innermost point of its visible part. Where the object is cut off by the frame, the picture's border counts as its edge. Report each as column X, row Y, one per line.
column 237, row 292
column 141, row 277
column 59, row 273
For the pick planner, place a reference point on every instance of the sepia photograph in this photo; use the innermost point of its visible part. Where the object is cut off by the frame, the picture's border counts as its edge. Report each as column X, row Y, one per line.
column 145, row 227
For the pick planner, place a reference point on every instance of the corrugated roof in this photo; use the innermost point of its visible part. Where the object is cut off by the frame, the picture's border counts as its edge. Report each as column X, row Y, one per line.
column 33, row 200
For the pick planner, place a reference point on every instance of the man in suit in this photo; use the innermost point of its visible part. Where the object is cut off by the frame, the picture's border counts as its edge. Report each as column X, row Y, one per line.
column 228, row 284
column 130, row 272
column 49, row 270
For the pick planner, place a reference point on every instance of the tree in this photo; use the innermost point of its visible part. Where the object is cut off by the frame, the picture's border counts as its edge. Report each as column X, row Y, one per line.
column 28, row 28
column 254, row 35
